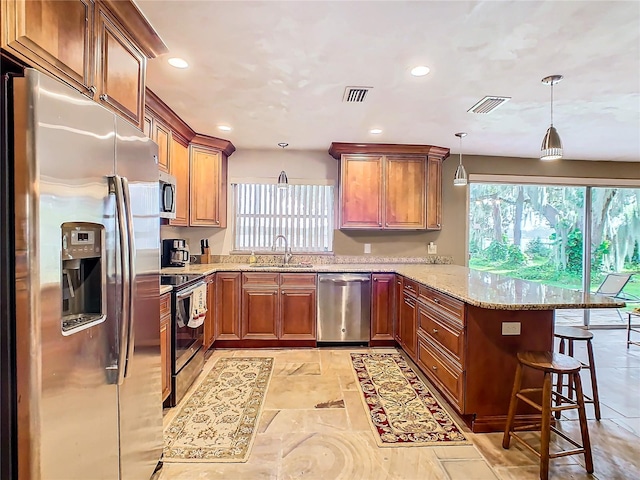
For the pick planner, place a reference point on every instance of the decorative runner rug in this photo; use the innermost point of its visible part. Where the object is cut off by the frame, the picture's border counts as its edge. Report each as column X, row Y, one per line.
column 218, row 423
column 402, row 410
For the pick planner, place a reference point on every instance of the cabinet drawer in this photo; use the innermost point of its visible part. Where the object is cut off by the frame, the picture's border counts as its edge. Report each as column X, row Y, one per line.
column 410, row 287
column 165, row 304
column 260, row 279
column 440, row 301
column 440, row 371
column 446, row 334
column 297, row 279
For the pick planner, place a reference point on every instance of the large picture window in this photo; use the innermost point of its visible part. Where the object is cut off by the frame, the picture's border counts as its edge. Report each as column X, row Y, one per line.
column 543, row 232
column 302, row 213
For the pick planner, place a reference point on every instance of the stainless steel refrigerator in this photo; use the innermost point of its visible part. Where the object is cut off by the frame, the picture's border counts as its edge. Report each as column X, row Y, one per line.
column 86, row 243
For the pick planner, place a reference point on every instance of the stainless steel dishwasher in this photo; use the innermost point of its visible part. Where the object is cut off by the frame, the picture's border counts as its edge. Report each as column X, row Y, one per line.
column 344, row 307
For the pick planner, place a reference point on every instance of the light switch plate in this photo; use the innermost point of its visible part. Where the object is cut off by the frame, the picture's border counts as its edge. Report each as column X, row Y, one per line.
column 367, row 248
column 432, row 249
column 510, row 328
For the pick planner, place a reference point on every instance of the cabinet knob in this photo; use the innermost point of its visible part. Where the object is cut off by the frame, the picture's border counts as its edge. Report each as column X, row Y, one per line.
column 438, row 225
column 103, row 97
column 435, row 300
column 92, row 90
column 435, row 330
column 434, row 368
column 379, row 224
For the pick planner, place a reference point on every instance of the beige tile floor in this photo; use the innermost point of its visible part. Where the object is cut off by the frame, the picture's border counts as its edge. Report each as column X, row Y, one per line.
column 296, row 440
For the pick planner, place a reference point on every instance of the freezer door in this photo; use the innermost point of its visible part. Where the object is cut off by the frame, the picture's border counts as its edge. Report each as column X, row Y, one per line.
column 67, row 409
column 140, row 393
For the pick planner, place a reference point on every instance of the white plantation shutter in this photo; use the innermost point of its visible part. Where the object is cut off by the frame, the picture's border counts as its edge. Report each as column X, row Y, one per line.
column 302, row 213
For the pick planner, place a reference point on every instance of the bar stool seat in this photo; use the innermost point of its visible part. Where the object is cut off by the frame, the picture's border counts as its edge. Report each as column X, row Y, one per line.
column 570, row 335
column 550, row 363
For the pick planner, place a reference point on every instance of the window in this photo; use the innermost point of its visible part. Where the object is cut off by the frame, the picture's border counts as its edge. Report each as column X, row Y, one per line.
column 302, row 213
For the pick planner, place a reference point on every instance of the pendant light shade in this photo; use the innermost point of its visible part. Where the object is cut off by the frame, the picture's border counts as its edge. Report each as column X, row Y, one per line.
column 551, row 148
column 283, row 181
column 460, row 178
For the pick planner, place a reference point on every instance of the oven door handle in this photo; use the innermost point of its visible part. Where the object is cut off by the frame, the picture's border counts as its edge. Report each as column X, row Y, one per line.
column 189, row 291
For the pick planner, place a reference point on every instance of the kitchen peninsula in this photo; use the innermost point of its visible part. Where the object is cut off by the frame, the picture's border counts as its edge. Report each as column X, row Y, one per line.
column 461, row 327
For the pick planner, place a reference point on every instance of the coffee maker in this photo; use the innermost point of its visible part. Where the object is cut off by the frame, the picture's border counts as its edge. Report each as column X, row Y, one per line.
column 174, row 252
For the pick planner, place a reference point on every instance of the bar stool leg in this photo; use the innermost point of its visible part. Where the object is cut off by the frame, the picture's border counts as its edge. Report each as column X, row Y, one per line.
column 628, row 330
column 559, row 380
column 584, row 428
column 545, row 428
column 594, row 382
column 570, row 387
column 512, row 407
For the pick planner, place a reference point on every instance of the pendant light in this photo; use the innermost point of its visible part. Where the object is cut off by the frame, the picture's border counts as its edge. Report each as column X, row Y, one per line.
column 551, row 144
column 460, row 178
column 283, row 181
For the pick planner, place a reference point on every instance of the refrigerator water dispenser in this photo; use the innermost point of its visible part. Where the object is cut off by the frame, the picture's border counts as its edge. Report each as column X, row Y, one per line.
column 83, row 277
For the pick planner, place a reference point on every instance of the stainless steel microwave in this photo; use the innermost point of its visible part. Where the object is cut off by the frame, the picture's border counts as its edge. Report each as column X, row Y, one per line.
column 167, row 195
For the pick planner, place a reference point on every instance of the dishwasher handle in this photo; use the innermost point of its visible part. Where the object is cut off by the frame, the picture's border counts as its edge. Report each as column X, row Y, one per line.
column 345, row 281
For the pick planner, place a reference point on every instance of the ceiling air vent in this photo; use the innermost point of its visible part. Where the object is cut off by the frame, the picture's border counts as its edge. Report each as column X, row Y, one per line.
column 355, row 94
column 488, row 104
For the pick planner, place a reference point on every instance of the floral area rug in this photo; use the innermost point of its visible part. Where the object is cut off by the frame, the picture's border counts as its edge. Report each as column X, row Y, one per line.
column 402, row 410
column 218, row 423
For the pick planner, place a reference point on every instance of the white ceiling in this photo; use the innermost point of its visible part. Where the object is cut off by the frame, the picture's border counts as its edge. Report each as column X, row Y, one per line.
column 276, row 72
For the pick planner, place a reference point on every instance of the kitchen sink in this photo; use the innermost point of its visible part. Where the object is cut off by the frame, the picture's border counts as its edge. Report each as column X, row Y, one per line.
column 281, row 265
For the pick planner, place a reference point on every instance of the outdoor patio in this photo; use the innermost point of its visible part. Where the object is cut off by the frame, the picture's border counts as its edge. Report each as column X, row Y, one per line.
column 599, row 317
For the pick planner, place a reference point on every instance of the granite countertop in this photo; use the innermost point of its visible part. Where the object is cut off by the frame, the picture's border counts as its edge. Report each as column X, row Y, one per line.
column 165, row 289
column 481, row 289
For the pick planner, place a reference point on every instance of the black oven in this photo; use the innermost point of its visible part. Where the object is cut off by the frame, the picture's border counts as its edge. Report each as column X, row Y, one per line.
column 187, row 355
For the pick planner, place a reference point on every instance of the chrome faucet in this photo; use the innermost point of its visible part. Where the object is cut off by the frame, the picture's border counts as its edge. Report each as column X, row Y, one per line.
column 286, row 258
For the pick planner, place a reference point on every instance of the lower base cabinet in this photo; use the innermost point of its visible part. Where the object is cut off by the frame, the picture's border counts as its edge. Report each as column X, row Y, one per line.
column 382, row 306
column 227, row 306
column 165, row 344
column 278, row 306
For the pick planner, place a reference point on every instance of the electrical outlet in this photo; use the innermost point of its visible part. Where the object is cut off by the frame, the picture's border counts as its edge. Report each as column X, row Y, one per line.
column 510, row 328
column 432, row 249
column 367, row 248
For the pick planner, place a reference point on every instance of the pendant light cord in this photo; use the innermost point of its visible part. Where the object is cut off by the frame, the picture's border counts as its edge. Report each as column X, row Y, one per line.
column 552, row 103
column 460, row 149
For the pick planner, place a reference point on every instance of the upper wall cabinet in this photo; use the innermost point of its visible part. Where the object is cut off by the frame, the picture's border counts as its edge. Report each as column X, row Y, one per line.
column 98, row 47
column 389, row 187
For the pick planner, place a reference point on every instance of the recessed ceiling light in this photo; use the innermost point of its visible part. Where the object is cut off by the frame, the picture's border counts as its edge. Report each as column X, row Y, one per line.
column 224, row 128
column 420, row 71
column 178, row 62
column 375, row 131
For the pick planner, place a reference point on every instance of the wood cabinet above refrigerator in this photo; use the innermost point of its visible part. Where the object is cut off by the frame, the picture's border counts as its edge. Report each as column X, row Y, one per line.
column 98, row 47
column 389, row 186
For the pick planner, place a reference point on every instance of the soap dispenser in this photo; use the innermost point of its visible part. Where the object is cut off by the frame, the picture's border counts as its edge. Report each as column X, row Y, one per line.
column 252, row 258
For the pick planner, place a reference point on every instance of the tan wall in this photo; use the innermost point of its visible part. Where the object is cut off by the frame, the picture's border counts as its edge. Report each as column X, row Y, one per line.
column 451, row 240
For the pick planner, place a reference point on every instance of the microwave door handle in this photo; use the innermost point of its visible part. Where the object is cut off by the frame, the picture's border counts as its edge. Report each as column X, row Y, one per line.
column 115, row 188
column 131, row 274
column 168, row 196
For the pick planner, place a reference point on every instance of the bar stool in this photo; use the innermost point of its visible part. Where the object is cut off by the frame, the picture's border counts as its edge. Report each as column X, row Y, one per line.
column 571, row 334
column 550, row 363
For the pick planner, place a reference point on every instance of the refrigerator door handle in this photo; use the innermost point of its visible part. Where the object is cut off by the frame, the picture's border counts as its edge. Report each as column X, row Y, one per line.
column 131, row 273
column 115, row 187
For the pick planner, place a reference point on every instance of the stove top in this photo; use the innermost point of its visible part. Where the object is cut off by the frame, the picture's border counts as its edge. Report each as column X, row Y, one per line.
column 180, row 280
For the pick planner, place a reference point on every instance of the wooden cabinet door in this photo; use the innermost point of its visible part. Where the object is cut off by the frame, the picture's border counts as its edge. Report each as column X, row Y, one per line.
column 408, row 333
column 227, row 306
column 259, row 313
column 434, row 193
column 208, row 188
column 297, row 313
column 162, row 136
column 382, row 306
column 180, row 169
column 53, row 35
column 398, row 308
column 120, row 69
column 165, row 344
column 147, row 127
column 209, row 327
column 361, row 192
column 405, row 192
